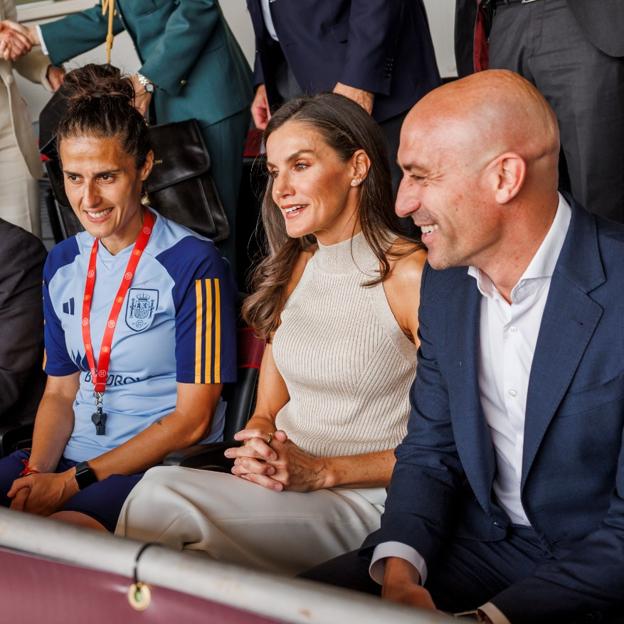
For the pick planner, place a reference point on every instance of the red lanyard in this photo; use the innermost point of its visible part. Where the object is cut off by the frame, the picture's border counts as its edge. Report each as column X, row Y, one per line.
column 99, row 370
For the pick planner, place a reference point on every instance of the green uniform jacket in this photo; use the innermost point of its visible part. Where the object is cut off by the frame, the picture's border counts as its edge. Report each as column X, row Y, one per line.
column 185, row 47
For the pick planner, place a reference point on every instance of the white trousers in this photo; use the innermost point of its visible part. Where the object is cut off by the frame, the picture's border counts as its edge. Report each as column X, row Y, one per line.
column 19, row 192
column 240, row 522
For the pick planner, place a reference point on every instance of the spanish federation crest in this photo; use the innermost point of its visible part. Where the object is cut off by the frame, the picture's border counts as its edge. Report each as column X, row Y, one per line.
column 140, row 308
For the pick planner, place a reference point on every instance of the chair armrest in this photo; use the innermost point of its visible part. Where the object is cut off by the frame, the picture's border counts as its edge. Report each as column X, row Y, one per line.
column 203, row 456
column 15, row 436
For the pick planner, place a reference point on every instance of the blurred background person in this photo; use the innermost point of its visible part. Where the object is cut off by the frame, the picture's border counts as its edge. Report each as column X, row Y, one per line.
column 378, row 53
column 192, row 67
column 20, row 167
column 573, row 52
column 21, row 324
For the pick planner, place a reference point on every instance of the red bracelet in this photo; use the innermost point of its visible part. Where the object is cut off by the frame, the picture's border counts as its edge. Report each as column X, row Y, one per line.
column 28, row 469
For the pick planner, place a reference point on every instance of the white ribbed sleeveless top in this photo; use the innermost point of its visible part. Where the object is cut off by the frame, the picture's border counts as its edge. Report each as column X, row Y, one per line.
column 346, row 363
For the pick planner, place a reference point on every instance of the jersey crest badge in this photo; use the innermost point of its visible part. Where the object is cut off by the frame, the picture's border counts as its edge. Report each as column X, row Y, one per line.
column 140, row 308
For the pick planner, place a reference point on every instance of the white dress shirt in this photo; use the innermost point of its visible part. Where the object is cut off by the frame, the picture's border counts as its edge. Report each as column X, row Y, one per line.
column 268, row 18
column 508, row 335
column 44, row 47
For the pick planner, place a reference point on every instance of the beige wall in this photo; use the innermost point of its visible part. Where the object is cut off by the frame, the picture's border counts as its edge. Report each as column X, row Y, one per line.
column 441, row 19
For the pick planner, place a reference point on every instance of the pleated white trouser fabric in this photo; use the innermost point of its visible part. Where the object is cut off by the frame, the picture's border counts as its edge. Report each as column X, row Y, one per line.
column 19, row 192
column 239, row 522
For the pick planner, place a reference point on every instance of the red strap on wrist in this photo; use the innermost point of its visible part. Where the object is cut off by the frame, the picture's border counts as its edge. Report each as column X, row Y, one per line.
column 28, row 469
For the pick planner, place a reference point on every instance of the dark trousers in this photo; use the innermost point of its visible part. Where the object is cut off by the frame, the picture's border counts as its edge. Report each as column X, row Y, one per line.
column 543, row 41
column 467, row 574
column 102, row 500
column 225, row 141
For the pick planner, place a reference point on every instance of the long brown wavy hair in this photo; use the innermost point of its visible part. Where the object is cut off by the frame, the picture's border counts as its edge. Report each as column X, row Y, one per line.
column 346, row 128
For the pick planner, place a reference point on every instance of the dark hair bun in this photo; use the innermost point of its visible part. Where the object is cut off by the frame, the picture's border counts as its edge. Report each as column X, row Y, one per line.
column 97, row 81
column 100, row 102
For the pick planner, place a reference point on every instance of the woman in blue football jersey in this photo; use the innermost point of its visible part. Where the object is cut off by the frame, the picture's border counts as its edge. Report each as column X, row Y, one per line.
column 140, row 323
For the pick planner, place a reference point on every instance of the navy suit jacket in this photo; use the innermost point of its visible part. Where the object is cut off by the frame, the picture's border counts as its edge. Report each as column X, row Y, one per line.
column 382, row 46
column 572, row 485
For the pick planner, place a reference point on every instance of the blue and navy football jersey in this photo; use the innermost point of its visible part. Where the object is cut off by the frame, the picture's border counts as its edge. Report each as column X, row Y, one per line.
column 177, row 324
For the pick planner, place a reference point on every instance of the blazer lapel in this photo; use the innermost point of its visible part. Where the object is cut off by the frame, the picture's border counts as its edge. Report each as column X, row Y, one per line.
column 569, row 320
column 472, row 436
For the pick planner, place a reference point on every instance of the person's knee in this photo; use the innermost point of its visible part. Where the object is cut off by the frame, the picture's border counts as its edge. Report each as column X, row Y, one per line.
column 78, row 519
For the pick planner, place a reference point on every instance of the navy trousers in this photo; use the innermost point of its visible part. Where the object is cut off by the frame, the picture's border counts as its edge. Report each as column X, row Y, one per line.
column 102, row 500
column 467, row 575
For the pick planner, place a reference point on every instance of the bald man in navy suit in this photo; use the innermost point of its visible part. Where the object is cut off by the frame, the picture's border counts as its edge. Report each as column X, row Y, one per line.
column 507, row 497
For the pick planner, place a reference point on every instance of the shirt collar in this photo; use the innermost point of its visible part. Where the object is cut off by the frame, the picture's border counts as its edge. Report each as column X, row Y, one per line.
column 543, row 263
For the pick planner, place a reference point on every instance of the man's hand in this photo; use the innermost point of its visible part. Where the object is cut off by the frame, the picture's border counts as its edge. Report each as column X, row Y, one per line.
column 401, row 584
column 46, row 492
column 364, row 98
column 55, row 76
column 260, row 110
column 142, row 98
column 14, row 40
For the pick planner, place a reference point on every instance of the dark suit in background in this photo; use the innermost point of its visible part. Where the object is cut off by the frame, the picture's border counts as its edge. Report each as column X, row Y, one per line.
column 21, row 324
column 573, row 51
column 381, row 46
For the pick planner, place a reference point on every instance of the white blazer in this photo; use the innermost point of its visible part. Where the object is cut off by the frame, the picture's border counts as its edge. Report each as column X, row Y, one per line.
column 32, row 66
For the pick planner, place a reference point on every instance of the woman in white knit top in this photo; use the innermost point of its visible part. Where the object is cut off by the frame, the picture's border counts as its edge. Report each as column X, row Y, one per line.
column 337, row 298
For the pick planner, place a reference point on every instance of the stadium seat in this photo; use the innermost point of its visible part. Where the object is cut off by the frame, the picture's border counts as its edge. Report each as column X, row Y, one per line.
column 240, row 398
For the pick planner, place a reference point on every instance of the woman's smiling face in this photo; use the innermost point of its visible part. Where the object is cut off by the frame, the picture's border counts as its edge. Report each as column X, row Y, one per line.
column 103, row 185
column 311, row 185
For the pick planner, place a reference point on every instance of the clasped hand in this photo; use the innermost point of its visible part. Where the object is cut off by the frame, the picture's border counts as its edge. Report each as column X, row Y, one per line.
column 15, row 40
column 42, row 493
column 280, row 465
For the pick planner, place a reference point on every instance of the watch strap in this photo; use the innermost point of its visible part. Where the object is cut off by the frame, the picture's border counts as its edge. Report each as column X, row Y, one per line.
column 84, row 475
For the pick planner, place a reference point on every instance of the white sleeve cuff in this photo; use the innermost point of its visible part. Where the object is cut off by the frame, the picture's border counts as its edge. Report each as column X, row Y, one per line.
column 395, row 549
column 494, row 613
column 44, row 47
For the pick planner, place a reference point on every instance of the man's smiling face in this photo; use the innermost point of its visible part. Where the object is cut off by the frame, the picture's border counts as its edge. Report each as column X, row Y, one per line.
column 444, row 190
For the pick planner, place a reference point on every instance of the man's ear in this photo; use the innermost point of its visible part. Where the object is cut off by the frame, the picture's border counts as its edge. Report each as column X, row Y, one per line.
column 508, row 174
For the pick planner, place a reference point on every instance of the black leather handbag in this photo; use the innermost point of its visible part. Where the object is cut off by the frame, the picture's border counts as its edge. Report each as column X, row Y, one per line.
column 180, row 186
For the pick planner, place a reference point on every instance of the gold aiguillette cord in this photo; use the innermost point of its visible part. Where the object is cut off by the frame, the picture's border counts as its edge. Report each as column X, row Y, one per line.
column 109, row 6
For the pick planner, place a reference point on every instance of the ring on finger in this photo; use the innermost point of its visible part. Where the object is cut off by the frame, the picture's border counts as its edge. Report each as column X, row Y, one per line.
column 269, row 438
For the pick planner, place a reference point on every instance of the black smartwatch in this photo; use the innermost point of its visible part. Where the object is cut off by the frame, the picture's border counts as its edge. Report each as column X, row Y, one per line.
column 84, row 475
